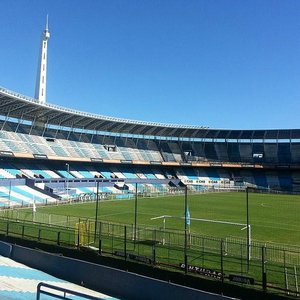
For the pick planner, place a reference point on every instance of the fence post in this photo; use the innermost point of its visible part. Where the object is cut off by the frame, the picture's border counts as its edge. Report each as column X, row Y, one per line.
column 241, row 250
column 296, row 280
column 7, row 228
column 285, row 273
column 23, row 229
column 78, row 235
column 185, row 230
column 154, row 253
column 112, row 238
column 125, row 238
column 203, row 251
column 90, row 227
column 100, row 239
column 58, row 238
column 154, row 248
column 222, row 261
column 135, row 212
column 264, row 271
column 286, row 280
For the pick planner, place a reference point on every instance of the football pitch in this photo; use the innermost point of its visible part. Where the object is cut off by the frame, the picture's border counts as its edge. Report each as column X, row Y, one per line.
column 274, row 218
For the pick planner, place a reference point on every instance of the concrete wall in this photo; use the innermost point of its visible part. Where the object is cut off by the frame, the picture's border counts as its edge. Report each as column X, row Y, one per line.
column 117, row 283
column 5, row 249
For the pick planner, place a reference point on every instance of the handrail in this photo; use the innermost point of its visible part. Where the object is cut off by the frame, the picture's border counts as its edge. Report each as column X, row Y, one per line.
column 64, row 290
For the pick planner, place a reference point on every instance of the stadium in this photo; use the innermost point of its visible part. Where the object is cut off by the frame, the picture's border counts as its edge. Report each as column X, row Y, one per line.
column 211, row 208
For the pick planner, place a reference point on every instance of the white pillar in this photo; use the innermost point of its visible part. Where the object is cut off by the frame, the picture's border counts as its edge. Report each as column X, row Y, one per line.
column 41, row 79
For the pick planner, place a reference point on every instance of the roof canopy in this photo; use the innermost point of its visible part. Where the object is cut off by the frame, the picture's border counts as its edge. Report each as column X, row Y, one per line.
column 14, row 105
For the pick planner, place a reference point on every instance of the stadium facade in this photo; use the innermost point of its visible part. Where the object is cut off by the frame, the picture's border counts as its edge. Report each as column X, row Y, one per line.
column 43, row 142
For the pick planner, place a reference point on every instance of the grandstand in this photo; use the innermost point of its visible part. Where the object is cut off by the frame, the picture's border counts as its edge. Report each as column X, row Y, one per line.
column 39, row 140
column 51, row 154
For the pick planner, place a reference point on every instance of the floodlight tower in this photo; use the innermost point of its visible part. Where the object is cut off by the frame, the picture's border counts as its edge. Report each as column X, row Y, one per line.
column 40, row 87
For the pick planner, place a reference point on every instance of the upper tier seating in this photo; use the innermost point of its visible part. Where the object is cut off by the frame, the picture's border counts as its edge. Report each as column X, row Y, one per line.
column 59, row 143
column 22, row 143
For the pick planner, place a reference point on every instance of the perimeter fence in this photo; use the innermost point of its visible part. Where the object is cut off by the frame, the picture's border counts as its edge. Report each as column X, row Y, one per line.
column 271, row 267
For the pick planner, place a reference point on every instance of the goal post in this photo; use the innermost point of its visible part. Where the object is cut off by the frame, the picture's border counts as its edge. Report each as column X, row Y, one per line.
column 229, row 223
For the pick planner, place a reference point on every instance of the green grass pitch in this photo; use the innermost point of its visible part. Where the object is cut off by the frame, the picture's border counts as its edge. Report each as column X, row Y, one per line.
column 273, row 217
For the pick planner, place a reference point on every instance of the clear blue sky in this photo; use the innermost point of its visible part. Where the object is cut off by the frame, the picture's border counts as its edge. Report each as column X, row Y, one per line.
column 223, row 64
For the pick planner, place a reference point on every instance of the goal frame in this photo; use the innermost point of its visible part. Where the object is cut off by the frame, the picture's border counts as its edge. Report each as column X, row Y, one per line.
column 244, row 226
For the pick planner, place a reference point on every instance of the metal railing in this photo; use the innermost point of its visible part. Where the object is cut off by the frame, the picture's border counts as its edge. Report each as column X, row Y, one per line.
column 64, row 293
column 271, row 267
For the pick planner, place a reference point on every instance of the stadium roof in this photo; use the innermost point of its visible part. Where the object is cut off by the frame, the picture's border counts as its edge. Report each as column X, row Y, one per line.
column 14, row 105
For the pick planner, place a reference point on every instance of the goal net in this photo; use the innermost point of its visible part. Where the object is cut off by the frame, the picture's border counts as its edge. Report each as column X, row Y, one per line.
column 84, row 233
column 226, row 230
